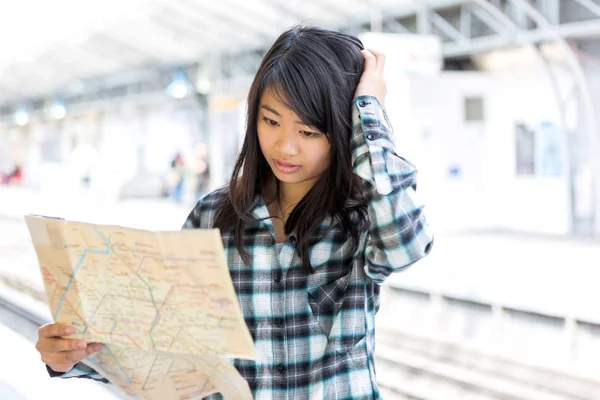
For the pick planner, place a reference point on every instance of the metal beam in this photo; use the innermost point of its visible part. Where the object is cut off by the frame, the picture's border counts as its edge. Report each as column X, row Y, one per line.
column 498, row 14
column 580, row 29
column 292, row 10
column 495, row 42
column 466, row 21
column 376, row 22
column 590, row 6
column 393, row 26
column 423, row 20
column 490, row 21
column 447, row 28
column 335, row 9
column 203, row 38
column 553, row 11
column 193, row 22
column 232, row 19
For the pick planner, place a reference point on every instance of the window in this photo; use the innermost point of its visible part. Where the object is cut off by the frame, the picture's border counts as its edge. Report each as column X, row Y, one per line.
column 474, row 109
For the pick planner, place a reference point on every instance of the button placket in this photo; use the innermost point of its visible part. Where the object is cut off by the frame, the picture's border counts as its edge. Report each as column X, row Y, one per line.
column 277, row 278
column 284, row 259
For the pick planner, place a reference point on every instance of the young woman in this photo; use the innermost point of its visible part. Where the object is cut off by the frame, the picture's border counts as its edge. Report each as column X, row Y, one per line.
column 319, row 211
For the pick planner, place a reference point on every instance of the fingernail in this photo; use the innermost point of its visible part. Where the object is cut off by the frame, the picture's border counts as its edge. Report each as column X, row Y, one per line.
column 68, row 330
column 97, row 347
column 81, row 345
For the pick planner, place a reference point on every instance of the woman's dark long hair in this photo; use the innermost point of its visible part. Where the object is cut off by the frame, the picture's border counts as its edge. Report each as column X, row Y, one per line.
column 313, row 72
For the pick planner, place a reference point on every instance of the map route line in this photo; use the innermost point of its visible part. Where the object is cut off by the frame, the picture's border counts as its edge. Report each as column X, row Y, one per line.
column 174, row 337
column 93, row 280
column 118, row 363
column 99, row 367
column 76, row 268
column 149, row 373
column 162, row 304
column 97, row 331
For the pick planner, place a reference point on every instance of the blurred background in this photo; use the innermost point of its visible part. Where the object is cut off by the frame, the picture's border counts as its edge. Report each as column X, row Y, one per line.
column 128, row 111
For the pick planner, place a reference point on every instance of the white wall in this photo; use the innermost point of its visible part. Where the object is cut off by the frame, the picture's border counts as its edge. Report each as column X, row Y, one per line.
column 445, row 141
column 488, row 193
column 539, row 203
column 524, row 92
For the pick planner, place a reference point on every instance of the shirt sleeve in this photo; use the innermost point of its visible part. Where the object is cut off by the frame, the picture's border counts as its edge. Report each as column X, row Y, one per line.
column 194, row 220
column 80, row 370
column 398, row 234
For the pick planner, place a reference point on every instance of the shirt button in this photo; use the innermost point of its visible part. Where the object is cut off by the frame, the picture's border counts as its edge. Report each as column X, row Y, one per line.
column 278, row 277
column 371, row 137
column 363, row 103
column 280, row 368
column 278, row 322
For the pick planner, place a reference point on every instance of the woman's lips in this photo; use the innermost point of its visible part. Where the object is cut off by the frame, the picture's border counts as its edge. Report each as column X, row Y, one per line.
column 286, row 168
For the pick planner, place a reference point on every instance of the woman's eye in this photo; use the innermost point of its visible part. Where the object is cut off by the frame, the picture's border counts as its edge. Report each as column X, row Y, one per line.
column 270, row 121
column 310, row 134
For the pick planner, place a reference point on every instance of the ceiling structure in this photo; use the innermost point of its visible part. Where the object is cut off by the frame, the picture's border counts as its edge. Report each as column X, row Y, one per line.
column 85, row 50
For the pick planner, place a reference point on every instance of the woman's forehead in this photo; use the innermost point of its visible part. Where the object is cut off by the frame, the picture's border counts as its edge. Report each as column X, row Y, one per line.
column 297, row 109
column 275, row 98
column 276, row 102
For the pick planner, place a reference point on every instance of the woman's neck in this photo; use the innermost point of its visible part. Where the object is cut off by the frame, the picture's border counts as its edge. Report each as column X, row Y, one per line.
column 289, row 195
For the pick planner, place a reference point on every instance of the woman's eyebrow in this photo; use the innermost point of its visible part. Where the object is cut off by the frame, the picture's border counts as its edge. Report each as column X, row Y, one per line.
column 268, row 108
column 271, row 109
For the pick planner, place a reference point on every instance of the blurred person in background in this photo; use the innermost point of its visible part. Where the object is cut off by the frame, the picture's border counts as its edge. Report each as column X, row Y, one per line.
column 201, row 170
column 176, row 178
column 14, row 177
column 319, row 211
column 82, row 166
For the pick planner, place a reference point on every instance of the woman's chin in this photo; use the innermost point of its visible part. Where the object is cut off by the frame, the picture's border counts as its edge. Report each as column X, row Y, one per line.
column 288, row 178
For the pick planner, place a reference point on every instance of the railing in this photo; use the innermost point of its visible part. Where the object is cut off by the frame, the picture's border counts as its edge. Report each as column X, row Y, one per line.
column 545, row 348
column 436, row 345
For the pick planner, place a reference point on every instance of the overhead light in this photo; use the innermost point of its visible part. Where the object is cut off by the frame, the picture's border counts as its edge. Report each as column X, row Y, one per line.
column 21, row 117
column 58, row 110
column 204, row 75
column 179, row 86
column 179, row 91
column 203, row 85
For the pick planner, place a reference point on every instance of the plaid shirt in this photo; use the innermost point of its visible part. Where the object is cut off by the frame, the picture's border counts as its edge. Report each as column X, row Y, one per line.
column 315, row 333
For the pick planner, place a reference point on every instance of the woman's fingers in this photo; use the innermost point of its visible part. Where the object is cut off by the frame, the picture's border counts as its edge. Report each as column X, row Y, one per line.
column 62, row 354
column 370, row 60
column 58, row 345
column 70, row 357
column 78, row 355
column 55, row 330
column 380, row 57
column 372, row 81
column 374, row 60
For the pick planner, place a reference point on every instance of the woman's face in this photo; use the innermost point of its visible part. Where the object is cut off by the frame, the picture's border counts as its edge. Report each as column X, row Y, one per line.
column 297, row 153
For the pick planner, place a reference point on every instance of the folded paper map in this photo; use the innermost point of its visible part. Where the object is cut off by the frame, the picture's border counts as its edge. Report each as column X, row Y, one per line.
column 162, row 303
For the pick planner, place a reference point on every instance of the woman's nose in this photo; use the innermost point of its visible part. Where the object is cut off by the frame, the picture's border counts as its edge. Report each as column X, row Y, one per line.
column 288, row 143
